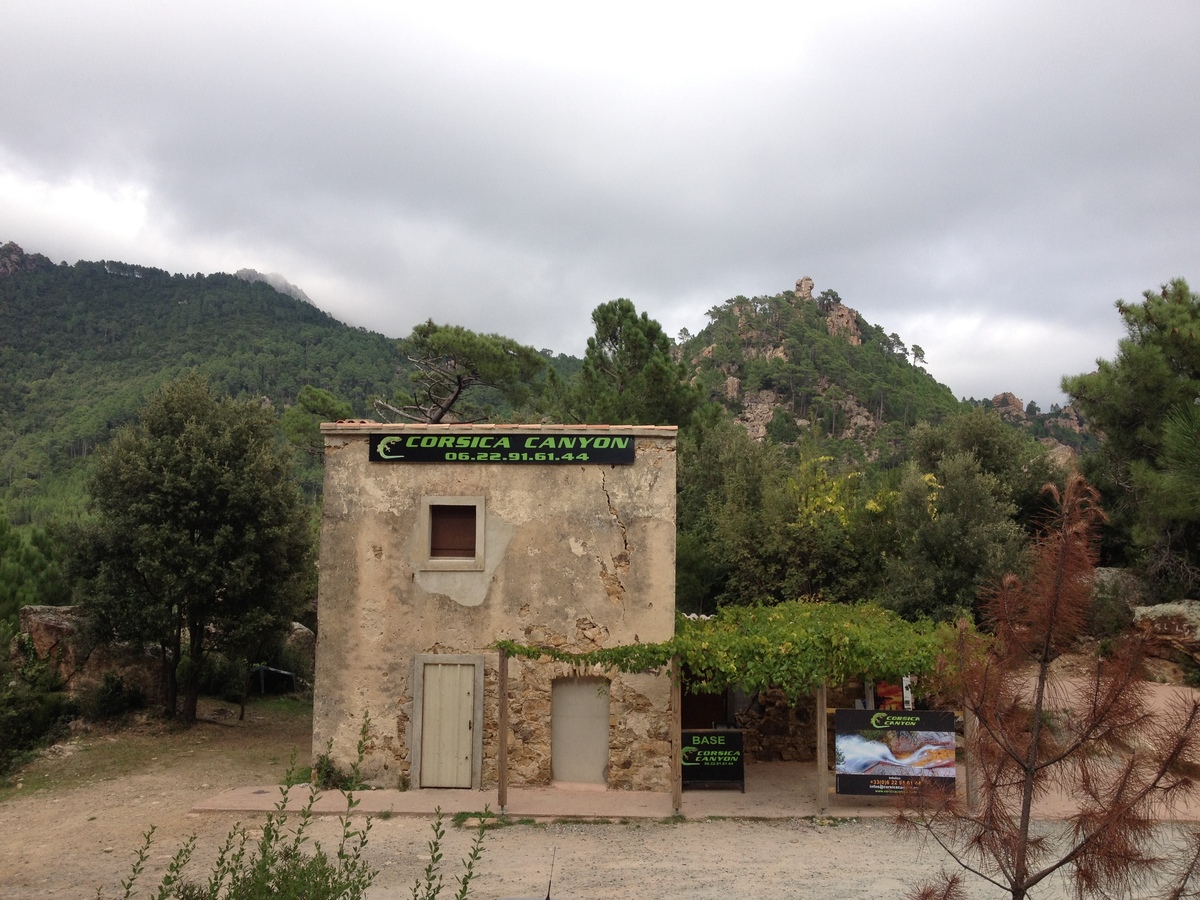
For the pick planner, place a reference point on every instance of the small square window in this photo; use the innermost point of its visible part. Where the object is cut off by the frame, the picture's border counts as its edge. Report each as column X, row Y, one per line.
column 451, row 531
column 451, row 534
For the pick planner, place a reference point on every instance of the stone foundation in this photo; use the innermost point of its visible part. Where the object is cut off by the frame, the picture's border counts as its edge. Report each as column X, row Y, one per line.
column 639, row 728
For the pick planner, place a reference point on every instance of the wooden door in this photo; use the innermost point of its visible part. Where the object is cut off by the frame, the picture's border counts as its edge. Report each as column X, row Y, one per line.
column 447, row 725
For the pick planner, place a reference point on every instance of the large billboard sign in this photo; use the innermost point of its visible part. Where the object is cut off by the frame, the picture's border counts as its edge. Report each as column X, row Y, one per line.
column 500, row 447
column 881, row 752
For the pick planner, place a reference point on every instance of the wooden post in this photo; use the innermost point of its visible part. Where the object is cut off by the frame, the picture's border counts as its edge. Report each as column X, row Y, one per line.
column 502, row 750
column 970, row 727
column 822, row 751
column 676, row 737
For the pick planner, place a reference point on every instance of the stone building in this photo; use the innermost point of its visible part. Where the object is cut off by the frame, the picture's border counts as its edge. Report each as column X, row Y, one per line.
column 437, row 541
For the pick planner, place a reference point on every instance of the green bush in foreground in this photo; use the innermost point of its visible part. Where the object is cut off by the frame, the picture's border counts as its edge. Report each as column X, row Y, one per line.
column 275, row 868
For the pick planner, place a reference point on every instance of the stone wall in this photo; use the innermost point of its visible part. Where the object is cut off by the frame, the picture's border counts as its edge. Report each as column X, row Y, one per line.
column 639, row 726
column 778, row 729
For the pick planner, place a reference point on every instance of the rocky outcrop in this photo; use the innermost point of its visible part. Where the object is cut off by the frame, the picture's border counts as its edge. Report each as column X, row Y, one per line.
column 1063, row 456
column 856, row 422
column 1172, row 629
column 1068, row 419
column 13, row 260
column 302, row 642
column 275, row 280
column 757, row 411
column 56, row 635
column 1010, row 408
column 843, row 320
column 52, row 631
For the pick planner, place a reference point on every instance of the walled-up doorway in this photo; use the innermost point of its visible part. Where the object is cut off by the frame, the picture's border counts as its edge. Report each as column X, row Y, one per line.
column 579, row 730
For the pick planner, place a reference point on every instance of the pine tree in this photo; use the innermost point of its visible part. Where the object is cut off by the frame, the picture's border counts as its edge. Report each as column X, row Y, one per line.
column 1092, row 737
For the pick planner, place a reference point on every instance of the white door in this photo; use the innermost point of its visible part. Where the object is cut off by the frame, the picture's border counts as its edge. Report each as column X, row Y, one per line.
column 447, row 725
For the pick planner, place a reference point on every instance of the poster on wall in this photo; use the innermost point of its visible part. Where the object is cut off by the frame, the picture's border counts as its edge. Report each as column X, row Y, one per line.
column 881, row 752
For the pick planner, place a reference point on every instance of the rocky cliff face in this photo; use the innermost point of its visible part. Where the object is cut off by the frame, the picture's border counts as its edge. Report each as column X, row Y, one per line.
column 275, row 280
column 56, row 636
column 762, row 338
column 1053, row 428
column 844, row 321
column 13, row 260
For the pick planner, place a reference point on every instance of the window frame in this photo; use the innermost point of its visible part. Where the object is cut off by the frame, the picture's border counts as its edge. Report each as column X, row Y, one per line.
column 430, row 563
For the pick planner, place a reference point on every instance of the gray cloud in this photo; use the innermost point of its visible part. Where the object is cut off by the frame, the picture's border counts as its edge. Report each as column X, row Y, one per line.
column 984, row 178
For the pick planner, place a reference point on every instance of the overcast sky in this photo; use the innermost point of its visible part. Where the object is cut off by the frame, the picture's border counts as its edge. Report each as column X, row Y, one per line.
column 984, row 179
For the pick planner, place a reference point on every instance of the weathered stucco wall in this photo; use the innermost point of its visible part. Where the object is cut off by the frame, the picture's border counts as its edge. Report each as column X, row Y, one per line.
column 578, row 556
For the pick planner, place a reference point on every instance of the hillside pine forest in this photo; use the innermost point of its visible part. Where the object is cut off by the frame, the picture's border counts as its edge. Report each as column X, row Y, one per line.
column 817, row 457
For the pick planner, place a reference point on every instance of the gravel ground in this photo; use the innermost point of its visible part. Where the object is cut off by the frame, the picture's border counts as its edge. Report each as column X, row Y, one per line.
column 71, row 822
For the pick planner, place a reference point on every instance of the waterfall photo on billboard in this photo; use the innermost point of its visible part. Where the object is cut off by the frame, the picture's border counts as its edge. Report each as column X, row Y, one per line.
column 888, row 752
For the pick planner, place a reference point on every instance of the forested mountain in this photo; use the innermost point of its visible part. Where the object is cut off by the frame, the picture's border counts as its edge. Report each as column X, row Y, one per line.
column 82, row 346
column 793, row 366
column 790, row 364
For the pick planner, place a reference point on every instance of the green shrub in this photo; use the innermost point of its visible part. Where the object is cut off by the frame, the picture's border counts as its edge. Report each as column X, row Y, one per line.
column 277, row 866
column 111, row 699
column 328, row 776
column 30, row 718
column 33, row 708
column 429, row 885
column 221, row 677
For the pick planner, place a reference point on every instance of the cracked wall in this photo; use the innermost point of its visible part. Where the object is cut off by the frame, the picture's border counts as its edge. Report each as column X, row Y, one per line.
column 577, row 557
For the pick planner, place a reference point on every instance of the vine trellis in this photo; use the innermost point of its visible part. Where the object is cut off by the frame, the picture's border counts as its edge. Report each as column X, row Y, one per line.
column 797, row 646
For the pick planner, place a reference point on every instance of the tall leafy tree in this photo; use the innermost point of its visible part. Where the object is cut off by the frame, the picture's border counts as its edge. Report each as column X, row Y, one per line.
column 951, row 538
column 630, row 375
column 301, row 422
column 30, row 570
column 757, row 527
column 200, row 536
column 452, row 363
column 1130, row 399
column 1019, row 466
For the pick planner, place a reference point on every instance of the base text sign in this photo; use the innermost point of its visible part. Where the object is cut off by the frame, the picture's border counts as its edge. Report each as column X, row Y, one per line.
column 712, row 757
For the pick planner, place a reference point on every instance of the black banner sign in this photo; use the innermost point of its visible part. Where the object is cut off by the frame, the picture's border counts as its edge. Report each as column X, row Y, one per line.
column 713, row 757
column 891, row 751
column 499, row 447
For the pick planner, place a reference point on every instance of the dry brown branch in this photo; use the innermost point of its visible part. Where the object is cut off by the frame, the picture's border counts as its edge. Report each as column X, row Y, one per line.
column 1091, row 737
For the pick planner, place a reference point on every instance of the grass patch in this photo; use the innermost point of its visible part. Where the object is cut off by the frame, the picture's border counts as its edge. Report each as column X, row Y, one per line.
column 831, row 821
column 217, row 747
column 483, row 819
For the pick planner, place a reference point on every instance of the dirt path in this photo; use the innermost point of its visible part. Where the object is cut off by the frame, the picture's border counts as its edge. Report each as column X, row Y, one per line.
column 75, row 822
